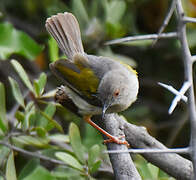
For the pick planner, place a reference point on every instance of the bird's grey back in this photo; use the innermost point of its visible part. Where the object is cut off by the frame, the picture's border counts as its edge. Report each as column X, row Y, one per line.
column 102, row 65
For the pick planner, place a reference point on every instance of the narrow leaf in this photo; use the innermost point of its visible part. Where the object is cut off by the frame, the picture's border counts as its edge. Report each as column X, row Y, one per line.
column 59, row 138
column 21, row 72
column 115, row 6
column 28, row 168
column 153, row 170
column 53, row 49
column 40, row 173
column 51, row 121
column 10, row 168
column 80, row 12
column 16, row 92
column 40, row 84
column 33, row 141
column 93, row 154
column 70, row 160
column 76, row 143
column 95, row 166
column 3, row 119
column 2, row 126
column 4, row 152
column 20, row 116
column 18, row 42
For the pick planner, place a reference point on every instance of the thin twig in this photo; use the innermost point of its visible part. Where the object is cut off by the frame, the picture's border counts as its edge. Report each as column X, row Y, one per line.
column 172, row 163
column 166, row 20
column 188, row 77
column 33, row 154
column 173, row 90
column 189, row 19
column 142, row 37
column 175, row 101
column 145, row 151
column 193, row 58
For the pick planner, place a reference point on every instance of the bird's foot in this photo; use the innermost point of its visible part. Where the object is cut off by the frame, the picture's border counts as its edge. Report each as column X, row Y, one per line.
column 117, row 140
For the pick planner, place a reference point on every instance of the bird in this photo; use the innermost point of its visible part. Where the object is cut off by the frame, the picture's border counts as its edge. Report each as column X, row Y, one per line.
column 97, row 85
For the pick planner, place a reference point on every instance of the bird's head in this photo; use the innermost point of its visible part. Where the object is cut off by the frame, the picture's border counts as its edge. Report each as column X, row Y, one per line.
column 117, row 91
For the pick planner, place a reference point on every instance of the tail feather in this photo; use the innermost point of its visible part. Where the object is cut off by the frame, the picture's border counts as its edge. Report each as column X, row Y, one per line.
column 65, row 30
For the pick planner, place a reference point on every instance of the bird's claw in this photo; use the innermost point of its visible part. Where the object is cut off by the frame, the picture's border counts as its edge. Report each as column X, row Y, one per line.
column 116, row 140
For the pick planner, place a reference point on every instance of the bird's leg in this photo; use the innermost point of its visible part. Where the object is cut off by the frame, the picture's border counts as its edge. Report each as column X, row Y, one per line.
column 112, row 139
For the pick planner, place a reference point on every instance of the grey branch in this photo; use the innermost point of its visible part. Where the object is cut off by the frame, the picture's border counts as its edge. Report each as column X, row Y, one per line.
column 122, row 164
column 154, row 151
column 189, row 20
column 32, row 154
column 172, row 163
column 193, row 58
column 187, row 59
column 166, row 20
column 142, row 37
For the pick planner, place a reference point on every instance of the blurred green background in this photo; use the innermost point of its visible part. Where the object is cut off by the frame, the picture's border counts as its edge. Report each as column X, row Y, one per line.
column 23, row 37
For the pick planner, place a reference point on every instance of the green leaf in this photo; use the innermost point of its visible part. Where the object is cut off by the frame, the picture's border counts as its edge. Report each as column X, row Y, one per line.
column 21, row 72
column 53, row 49
column 51, row 122
column 28, row 168
column 4, row 153
column 40, row 84
column 16, row 92
column 80, row 12
column 95, row 166
column 59, row 138
column 10, row 168
column 114, row 11
column 29, row 114
column 40, row 173
column 93, row 154
column 154, row 171
column 3, row 119
column 70, row 160
column 76, row 143
column 67, row 173
column 2, row 126
column 14, row 41
column 46, row 121
column 20, row 116
column 33, row 141
column 41, row 132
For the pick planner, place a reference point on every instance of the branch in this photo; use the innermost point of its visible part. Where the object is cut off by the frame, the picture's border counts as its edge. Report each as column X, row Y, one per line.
column 189, row 20
column 166, row 20
column 188, row 77
column 32, row 154
column 193, row 58
column 154, row 151
column 172, row 163
column 143, row 37
column 122, row 164
column 174, row 91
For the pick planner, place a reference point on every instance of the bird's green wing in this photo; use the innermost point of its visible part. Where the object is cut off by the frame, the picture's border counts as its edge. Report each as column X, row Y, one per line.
column 79, row 77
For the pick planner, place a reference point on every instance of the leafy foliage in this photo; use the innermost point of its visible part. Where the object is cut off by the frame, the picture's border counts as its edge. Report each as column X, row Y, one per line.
column 14, row 41
column 35, row 125
column 32, row 121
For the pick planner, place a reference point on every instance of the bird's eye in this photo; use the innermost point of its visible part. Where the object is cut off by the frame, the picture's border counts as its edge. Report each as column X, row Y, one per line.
column 116, row 93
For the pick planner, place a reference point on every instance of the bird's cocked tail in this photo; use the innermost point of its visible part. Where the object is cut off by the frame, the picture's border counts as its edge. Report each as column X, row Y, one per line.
column 65, row 29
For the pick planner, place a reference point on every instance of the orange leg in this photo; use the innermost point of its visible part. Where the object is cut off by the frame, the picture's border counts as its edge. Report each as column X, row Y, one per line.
column 111, row 138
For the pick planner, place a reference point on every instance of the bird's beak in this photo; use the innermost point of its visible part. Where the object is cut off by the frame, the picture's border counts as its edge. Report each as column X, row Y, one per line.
column 105, row 107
